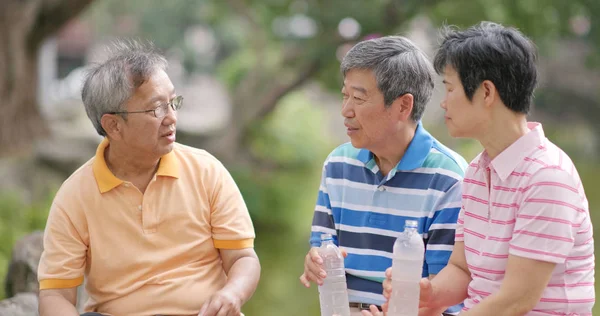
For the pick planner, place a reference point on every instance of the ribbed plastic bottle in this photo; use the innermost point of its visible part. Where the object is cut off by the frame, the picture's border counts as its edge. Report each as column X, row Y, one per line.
column 407, row 267
column 333, row 294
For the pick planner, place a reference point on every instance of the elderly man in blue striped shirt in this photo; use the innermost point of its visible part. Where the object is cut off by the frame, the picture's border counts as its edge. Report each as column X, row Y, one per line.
column 391, row 171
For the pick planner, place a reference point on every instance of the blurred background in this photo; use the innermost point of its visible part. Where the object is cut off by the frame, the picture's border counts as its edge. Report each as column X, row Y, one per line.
column 261, row 83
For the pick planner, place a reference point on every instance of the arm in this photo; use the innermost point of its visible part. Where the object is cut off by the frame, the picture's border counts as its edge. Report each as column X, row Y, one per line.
column 543, row 236
column 243, row 272
column 233, row 236
column 518, row 295
column 323, row 222
column 61, row 266
column 449, row 287
column 55, row 302
column 441, row 228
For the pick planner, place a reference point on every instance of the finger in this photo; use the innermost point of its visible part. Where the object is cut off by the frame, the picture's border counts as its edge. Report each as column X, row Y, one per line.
column 304, row 280
column 314, row 255
column 388, row 273
column 315, row 269
column 366, row 313
column 385, row 307
column 344, row 252
column 213, row 308
column 204, row 307
column 426, row 290
column 387, row 285
column 314, row 278
column 225, row 311
column 374, row 310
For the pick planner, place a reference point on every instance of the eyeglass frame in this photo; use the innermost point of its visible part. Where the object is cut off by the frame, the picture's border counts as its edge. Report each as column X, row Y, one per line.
column 166, row 105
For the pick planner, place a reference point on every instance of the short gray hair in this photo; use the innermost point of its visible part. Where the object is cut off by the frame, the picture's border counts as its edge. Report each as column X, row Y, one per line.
column 110, row 84
column 399, row 66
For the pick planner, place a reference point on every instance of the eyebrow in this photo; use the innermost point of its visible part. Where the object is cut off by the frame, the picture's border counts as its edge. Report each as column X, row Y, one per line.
column 446, row 82
column 360, row 89
column 159, row 98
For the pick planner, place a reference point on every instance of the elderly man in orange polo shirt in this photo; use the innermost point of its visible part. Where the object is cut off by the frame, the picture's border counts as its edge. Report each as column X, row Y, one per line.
column 155, row 227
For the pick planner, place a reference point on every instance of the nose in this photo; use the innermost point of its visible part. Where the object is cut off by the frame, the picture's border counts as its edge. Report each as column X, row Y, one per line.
column 347, row 109
column 171, row 117
column 443, row 104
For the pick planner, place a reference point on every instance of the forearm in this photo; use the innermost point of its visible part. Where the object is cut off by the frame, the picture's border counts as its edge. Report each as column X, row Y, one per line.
column 450, row 286
column 56, row 305
column 242, row 278
column 498, row 304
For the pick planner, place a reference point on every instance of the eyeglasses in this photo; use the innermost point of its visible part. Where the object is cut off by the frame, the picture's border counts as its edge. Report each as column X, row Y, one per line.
column 161, row 110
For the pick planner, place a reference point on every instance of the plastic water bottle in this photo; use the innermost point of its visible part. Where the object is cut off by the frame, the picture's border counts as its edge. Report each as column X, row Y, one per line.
column 407, row 270
column 333, row 294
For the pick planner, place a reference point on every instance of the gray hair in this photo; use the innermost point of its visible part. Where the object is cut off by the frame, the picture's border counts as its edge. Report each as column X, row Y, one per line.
column 399, row 66
column 110, row 84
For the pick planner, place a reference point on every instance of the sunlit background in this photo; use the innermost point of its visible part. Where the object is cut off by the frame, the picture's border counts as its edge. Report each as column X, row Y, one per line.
column 261, row 83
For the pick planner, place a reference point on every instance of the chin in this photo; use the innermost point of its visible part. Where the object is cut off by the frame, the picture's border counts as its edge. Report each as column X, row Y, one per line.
column 356, row 143
column 166, row 149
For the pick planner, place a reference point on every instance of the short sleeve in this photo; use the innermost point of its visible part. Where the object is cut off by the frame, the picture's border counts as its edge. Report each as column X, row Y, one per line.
column 63, row 260
column 550, row 211
column 230, row 221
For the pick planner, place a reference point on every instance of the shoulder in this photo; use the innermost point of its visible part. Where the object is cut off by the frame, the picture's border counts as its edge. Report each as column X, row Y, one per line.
column 190, row 157
column 445, row 161
column 344, row 153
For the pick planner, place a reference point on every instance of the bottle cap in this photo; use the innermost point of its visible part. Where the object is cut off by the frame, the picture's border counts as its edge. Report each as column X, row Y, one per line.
column 325, row 237
column 411, row 224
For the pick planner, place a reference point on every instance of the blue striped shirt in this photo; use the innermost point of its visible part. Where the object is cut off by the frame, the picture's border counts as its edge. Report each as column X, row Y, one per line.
column 365, row 211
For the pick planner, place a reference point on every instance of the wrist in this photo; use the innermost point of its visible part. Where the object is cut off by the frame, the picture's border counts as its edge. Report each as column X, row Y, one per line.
column 234, row 293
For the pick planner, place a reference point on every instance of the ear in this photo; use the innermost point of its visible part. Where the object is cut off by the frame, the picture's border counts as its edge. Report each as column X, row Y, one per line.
column 490, row 93
column 403, row 106
column 112, row 125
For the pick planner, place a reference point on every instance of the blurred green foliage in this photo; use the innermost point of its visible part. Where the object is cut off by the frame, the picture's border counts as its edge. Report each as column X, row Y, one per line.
column 18, row 219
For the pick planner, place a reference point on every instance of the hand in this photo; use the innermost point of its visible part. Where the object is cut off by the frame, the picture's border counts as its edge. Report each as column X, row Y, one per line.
column 425, row 294
column 222, row 303
column 313, row 267
column 373, row 312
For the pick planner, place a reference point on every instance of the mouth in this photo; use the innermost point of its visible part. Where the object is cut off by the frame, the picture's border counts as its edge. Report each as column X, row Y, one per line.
column 170, row 136
column 350, row 130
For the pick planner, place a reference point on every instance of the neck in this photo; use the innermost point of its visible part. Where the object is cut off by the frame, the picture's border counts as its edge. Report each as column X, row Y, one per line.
column 127, row 166
column 389, row 154
column 503, row 131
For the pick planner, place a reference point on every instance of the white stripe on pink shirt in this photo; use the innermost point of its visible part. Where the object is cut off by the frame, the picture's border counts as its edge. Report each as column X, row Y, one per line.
column 534, row 208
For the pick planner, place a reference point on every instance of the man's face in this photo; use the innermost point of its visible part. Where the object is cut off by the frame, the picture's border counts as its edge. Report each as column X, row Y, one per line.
column 464, row 117
column 144, row 133
column 369, row 123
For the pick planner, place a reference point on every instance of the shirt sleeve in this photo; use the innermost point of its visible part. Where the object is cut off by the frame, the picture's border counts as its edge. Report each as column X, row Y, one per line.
column 441, row 231
column 323, row 221
column 63, row 260
column 551, row 209
column 230, row 221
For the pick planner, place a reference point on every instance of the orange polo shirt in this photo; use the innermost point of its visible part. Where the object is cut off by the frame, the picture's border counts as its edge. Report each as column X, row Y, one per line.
column 151, row 253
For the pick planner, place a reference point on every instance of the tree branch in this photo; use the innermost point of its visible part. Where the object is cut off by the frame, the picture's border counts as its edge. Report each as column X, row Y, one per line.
column 276, row 93
column 51, row 15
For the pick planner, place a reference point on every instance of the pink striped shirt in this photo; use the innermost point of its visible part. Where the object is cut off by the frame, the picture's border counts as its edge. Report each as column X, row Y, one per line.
column 535, row 208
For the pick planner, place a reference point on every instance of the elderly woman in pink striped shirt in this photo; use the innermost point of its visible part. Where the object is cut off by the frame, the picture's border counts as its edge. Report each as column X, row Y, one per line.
column 524, row 243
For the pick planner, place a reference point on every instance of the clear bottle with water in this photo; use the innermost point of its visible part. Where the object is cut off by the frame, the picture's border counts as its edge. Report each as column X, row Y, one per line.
column 407, row 270
column 333, row 294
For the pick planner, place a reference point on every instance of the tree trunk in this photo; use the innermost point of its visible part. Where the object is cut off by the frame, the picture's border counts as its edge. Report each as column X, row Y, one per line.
column 23, row 27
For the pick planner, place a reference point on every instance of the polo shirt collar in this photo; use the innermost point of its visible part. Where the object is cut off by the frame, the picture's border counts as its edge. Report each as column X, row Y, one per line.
column 415, row 154
column 508, row 160
column 107, row 181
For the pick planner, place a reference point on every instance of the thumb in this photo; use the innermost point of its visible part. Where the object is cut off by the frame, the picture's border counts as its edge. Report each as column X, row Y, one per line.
column 426, row 290
column 344, row 252
column 204, row 307
column 304, row 280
